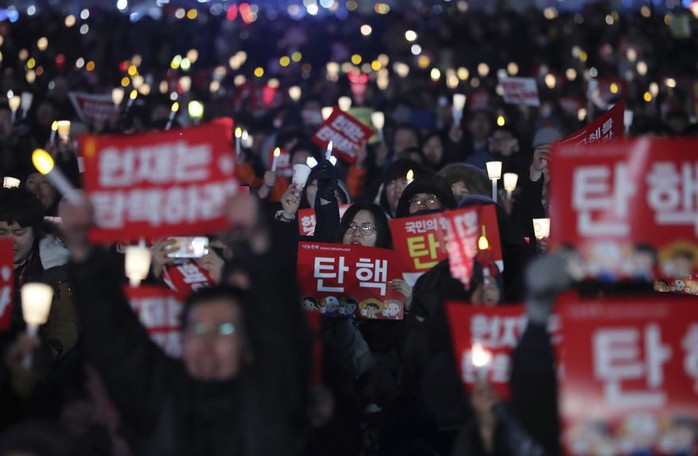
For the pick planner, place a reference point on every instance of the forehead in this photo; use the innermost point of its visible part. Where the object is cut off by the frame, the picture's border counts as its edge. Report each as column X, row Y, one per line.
column 218, row 309
column 4, row 225
column 363, row 216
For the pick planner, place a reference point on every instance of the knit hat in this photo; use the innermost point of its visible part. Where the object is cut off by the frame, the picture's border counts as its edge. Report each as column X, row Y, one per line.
column 546, row 135
column 429, row 183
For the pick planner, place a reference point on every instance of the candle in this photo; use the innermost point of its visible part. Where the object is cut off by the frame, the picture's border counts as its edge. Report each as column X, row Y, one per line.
column 328, row 152
column 54, row 130
column 26, row 102
column 10, row 182
column 36, row 304
column 326, row 112
column 173, row 113
column 510, row 181
column 481, row 359
column 131, row 99
column 238, row 146
column 344, row 103
column 295, row 93
column 275, row 162
column 378, row 121
column 63, row 127
column 311, row 162
column 43, row 162
column 482, row 242
column 409, row 177
column 457, row 109
column 137, row 263
column 541, row 228
column 15, row 102
column 494, row 172
column 117, row 96
column 196, row 110
column 247, row 140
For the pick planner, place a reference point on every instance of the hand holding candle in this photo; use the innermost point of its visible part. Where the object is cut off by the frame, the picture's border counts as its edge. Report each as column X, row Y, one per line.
column 36, row 304
column 510, row 181
column 275, row 162
column 44, row 163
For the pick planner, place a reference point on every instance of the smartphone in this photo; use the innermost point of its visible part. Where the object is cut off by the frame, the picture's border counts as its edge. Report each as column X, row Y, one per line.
column 189, row 247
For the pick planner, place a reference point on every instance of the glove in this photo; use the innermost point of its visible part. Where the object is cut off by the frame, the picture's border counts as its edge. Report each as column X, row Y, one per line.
column 327, row 178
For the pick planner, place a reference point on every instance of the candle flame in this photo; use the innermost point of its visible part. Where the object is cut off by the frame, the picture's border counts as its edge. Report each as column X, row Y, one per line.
column 134, row 94
column 410, row 176
column 175, row 106
column 54, row 126
column 42, row 161
column 277, row 152
column 238, row 132
column 480, row 356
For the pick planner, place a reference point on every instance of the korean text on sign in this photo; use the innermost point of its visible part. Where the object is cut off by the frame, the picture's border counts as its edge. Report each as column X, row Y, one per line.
column 349, row 280
column 420, row 241
column 627, row 358
column 171, row 183
column 160, row 312
column 629, row 207
column 345, row 132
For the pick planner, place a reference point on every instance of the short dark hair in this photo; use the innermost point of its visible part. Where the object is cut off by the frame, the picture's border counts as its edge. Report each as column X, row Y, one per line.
column 19, row 205
column 228, row 292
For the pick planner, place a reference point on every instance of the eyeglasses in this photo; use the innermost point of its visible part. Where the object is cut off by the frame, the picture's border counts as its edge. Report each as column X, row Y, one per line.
column 366, row 229
column 428, row 201
column 202, row 329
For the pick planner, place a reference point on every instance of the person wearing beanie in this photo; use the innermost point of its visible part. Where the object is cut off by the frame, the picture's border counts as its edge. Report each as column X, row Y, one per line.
column 429, row 192
column 465, row 180
column 393, row 183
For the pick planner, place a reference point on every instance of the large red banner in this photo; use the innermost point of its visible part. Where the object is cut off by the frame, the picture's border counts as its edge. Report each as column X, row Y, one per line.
column 7, row 282
column 158, row 184
column 345, row 132
column 159, row 311
column 349, row 280
column 307, row 220
column 490, row 333
column 627, row 209
column 629, row 377
column 421, row 241
column 607, row 127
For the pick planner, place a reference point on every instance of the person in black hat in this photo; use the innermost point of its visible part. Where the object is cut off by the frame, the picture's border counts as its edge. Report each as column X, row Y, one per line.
column 429, row 192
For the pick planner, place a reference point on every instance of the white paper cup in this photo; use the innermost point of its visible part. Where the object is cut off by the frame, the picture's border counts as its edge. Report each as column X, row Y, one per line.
column 541, row 228
column 300, row 175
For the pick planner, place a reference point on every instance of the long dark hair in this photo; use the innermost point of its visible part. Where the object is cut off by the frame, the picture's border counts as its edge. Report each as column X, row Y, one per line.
column 383, row 237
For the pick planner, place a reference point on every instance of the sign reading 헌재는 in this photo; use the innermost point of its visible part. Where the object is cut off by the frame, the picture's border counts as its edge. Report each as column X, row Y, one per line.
column 158, row 184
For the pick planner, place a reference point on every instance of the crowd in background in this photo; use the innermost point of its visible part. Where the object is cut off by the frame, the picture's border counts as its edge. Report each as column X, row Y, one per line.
column 98, row 386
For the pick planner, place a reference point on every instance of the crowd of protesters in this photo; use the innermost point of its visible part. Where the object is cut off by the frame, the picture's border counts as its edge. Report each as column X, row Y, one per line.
column 98, row 385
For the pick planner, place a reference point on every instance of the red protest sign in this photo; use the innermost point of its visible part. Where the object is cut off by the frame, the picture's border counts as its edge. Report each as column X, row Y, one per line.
column 7, row 282
column 159, row 311
column 627, row 209
column 186, row 276
column 496, row 331
column 92, row 108
column 629, row 379
column 345, row 132
column 464, row 230
column 520, row 91
column 307, row 220
column 349, row 280
column 420, row 242
column 158, row 184
column 606, row 127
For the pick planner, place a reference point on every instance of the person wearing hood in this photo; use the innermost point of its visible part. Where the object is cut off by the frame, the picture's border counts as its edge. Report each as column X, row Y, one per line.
column 426, row 193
